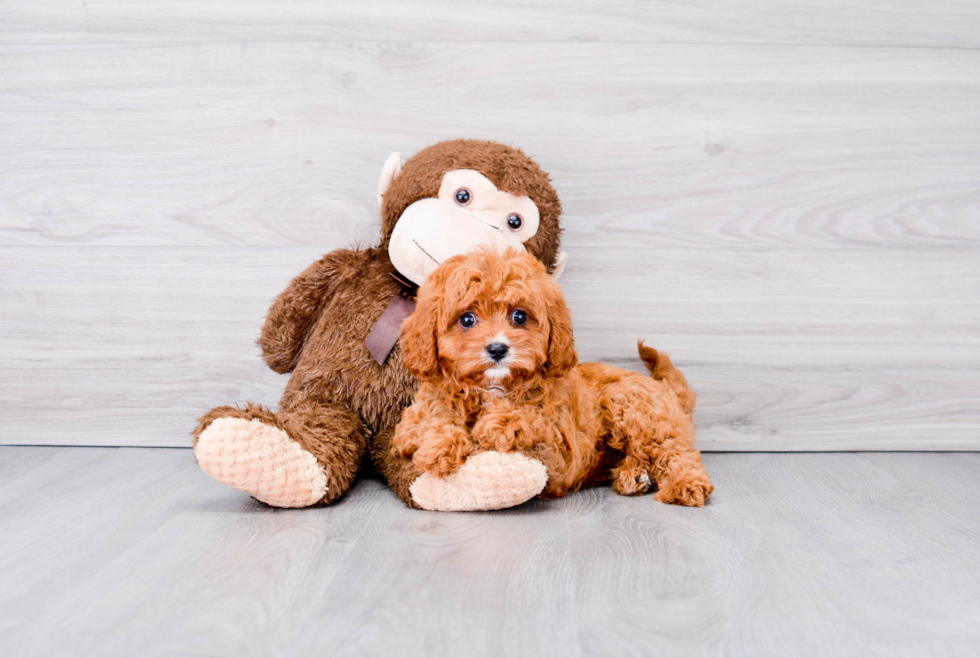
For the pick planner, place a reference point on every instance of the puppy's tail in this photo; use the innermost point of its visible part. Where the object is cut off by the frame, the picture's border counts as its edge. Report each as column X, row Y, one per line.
column 664, row 370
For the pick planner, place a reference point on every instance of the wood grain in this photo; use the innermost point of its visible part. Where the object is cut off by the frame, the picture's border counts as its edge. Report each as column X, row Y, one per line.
column 787, row 349
column 937, row 477
column 867, row 23
column 681, row 145
column 785, row 196
column 113, row 552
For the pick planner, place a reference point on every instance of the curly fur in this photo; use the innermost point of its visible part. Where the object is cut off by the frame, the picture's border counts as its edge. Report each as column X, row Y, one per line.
column 587, row 423
column 339, row 402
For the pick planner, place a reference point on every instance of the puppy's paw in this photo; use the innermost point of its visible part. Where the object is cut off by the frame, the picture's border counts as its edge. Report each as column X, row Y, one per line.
column 487, row 481
column 503, row 432
column 631, row 478
column 693, row 492
column 630, row 482
column 442, row 450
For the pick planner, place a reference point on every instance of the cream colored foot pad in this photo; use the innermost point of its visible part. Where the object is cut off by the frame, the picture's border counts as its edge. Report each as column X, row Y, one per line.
column 262, row 461
column 487, row 481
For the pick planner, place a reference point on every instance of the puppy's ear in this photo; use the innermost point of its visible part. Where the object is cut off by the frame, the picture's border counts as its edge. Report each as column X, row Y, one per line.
column 419, row 341
column 562, row 356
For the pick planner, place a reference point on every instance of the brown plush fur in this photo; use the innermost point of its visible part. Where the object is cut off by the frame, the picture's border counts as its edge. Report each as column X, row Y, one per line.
column 585, row 422
column 338, row 399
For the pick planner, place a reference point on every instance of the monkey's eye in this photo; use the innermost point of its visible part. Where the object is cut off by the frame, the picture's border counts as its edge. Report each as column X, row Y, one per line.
column 515, row 221
column 519, row 317
column 463, row 196
column 467, row 320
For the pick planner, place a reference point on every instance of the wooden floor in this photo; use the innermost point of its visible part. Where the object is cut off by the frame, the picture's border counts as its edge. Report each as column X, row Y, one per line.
column 133, row 551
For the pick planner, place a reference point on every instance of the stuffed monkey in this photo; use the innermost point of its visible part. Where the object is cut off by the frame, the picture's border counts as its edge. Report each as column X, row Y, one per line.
column 335, row 329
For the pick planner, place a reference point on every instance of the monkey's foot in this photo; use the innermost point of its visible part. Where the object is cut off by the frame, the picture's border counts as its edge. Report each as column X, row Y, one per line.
column 262, row 461
column 486, row 481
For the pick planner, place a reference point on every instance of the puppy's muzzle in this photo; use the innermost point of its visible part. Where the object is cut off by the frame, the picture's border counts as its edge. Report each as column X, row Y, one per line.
column 497, row 351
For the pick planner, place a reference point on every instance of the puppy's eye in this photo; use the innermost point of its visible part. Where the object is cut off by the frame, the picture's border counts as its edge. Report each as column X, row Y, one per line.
column 518, row 317
column 463, row 196
column 467, row 320
column 515, row 221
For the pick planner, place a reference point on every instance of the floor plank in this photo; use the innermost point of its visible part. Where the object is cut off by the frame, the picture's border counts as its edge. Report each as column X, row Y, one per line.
column 867, row 23
column 783, row 195
column 839, row 350
column 281, row 144
column 939, row 477
column 121, row 551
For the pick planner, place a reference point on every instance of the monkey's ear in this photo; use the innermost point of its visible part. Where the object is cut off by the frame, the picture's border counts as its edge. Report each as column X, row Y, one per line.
column 420, row 350
column 560, row 261
column 562, row 355
column 393, row 167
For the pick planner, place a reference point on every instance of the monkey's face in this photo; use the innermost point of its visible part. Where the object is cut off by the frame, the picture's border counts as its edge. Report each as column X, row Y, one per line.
column 460, row 194
column 468, row 211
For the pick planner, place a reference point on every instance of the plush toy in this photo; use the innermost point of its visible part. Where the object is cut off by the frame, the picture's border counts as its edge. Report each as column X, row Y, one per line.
column 491, row 341
column 335, row 329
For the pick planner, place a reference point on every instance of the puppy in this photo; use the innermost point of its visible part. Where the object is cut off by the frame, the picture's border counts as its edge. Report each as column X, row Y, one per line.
column 491, row 343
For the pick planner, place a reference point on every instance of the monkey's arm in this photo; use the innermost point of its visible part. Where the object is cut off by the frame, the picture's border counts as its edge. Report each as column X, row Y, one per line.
column 296, row 308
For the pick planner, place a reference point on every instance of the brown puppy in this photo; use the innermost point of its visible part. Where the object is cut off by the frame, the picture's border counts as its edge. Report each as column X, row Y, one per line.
column 491, row 341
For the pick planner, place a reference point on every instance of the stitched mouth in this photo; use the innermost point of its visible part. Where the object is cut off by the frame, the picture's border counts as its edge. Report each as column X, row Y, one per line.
column 480, row 220
column 422, row 249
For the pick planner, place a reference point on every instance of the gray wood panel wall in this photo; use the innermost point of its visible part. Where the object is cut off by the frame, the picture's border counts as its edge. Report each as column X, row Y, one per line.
column 785, row 196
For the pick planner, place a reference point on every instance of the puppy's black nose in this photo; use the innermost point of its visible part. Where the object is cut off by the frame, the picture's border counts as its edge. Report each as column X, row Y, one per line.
column 497, row 351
